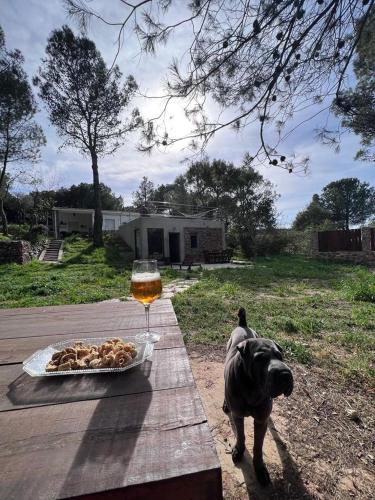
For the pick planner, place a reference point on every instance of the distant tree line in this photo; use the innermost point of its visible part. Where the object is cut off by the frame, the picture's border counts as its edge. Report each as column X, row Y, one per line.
column 239, row 195
column 341, row 204
column 35, row 207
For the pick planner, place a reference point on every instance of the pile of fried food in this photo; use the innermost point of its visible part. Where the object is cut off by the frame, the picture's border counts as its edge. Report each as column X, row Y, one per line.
column 114, row 353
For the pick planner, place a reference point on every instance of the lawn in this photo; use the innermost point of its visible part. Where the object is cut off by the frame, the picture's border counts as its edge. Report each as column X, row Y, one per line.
column 321, row 313
column 86, row 274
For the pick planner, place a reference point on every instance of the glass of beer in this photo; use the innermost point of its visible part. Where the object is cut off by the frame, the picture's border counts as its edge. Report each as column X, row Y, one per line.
column 146, row 287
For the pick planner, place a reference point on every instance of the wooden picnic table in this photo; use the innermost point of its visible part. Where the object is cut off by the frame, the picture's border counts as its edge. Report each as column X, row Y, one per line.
column 138, row 434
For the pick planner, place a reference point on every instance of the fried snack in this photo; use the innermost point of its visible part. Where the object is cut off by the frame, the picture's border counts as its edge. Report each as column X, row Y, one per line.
column 64, row 367
column 67, row 357
column 51, row 368
column 56, row 356
column 109, row 360
column 113, row 353
column 70, row 350
column 122, row 358
column 82, row 352
column 95, row 363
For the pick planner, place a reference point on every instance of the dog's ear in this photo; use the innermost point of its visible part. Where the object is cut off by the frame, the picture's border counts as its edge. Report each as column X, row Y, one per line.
column 241, row 350
column 279, row 348
column 245, row 348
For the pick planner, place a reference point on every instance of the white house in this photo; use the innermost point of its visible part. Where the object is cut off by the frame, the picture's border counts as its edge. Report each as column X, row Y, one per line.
column 158, row 236
column 81, row 220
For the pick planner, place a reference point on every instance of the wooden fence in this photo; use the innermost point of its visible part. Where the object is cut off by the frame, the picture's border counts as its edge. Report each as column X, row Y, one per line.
column 336, row 241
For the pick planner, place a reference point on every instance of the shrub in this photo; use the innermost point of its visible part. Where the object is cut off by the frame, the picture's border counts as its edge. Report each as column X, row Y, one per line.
column 39, row 229
column 38, row 233
column 18, row 231
column 361, row 287
column 288, row 325
column 271, row 242
column 299, row 242
column 247, row 244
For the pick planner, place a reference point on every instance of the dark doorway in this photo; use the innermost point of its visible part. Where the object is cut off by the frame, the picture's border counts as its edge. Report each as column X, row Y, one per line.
column 155, row 243
column 174, row 247
column 137, row 243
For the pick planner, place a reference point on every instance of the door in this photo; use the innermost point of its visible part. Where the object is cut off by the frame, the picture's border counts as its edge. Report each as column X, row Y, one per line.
column 137, row 243
column 174, row 247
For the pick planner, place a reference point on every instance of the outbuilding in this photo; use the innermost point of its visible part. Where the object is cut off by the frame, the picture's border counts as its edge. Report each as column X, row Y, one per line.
column 81, row 220
column 173, row 238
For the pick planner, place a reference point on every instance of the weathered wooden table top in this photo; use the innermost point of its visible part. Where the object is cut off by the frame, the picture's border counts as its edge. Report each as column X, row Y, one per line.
column 138, row 434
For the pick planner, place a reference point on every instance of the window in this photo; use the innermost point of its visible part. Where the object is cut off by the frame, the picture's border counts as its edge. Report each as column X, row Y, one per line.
column 193, row 241
column 155, row 241
column 109, row 225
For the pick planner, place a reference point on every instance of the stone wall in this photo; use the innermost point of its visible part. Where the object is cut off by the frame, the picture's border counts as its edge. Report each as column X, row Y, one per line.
column 15, row 251
column 354, row 257
column 366, row 256
column 209, row 239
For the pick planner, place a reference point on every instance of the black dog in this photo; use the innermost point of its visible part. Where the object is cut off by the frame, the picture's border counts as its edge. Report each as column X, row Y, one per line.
column 254, row 374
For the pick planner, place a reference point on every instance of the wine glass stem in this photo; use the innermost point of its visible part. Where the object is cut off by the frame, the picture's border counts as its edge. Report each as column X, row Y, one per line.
column 147, row 311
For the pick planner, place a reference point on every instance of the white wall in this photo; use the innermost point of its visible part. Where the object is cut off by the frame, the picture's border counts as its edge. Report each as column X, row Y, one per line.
column 118, row 218
column 170, row 225
column 73, row 220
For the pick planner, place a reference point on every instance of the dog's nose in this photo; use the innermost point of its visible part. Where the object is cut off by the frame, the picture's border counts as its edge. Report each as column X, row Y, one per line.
column 281, row 381
column 286, row 382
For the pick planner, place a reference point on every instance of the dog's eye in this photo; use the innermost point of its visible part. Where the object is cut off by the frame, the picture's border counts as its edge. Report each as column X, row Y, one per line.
column 261, row 356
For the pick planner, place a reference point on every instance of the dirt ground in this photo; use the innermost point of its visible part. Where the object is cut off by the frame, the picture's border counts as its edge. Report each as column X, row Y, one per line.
column 320, row 442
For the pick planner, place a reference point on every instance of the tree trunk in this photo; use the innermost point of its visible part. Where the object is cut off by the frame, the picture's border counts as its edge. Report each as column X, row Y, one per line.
column 98, row 216
column 3, row 218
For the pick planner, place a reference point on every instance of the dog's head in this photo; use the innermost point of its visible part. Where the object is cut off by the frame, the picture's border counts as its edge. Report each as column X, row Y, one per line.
column 263, row 361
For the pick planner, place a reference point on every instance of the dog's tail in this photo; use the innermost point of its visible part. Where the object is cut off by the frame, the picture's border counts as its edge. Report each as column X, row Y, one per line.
column 242, row 317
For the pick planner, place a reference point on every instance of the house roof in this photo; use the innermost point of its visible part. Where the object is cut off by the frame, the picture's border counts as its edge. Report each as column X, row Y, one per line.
column 91, row 210
column 122, row 212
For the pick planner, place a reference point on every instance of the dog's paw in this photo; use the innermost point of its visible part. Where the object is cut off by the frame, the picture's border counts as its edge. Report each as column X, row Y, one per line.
column 226, row 408
column 261, row 473
column 237, row 455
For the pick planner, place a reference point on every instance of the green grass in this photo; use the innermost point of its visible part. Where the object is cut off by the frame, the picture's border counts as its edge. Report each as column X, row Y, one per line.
column 307, row 306
column 321, row 313
column 87, row 274
column 360, row 287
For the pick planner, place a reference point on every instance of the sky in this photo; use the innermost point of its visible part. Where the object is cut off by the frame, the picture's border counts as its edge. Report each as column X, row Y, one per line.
column 27, row 25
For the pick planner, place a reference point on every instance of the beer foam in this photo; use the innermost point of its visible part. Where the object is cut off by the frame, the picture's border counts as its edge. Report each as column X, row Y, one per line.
column 145, row 277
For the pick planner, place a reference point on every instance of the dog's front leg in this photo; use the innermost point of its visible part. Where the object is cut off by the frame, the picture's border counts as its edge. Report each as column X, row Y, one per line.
column 239, row 448
column 260, row 428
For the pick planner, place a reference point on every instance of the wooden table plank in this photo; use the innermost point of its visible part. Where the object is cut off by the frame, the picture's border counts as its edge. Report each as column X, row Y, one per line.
column 104, row 445
column 169, row 368
column 126, row 305
column 204, row 485
column 82, row 325
column 17, row 350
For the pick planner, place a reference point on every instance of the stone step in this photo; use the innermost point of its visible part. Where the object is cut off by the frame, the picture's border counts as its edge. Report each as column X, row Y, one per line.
column 52, row 251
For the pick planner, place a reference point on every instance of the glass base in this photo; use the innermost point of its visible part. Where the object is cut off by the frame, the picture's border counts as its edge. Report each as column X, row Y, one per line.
column 145, row 337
